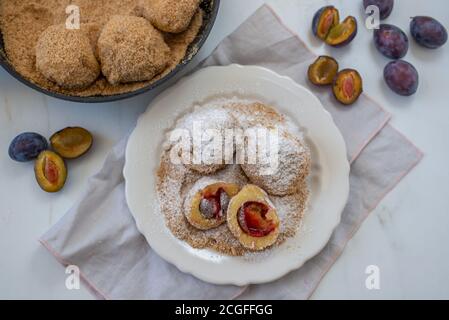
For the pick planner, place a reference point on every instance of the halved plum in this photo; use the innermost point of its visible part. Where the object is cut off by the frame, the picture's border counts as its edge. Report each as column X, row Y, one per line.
column 324, row 20
column 342, row 33
column 72, row 142
column 253, row 221
column 50, row 171
column 323, row 71
column 348, row 86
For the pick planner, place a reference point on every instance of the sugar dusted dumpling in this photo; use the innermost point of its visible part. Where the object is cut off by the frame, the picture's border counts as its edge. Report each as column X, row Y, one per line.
column 203, row 118
column 292, row 167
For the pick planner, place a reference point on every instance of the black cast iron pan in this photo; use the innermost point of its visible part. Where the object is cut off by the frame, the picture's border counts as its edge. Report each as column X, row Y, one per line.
column 210, row 8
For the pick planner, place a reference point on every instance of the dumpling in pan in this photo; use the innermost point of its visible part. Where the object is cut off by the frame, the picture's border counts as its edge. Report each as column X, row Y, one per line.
column 172, row 16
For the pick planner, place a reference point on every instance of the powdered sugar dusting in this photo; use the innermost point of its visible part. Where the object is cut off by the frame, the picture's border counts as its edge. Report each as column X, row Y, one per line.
column 293, row 167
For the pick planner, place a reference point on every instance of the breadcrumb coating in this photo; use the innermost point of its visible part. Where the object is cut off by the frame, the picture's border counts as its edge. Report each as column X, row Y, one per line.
column 131, row 49
column 170, row 15
column 66, row 57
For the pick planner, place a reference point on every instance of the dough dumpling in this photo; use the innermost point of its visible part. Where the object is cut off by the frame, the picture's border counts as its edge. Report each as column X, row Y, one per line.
column 172, row 16
column 206, row 204
column 131, row 49
column 208, row 117
column 293, row 167
column 66, row 57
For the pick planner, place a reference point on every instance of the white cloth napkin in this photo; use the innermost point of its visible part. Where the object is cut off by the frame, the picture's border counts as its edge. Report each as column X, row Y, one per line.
column 99, row 234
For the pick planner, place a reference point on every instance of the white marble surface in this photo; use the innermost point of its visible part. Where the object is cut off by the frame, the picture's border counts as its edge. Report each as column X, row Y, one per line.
column 406, row 236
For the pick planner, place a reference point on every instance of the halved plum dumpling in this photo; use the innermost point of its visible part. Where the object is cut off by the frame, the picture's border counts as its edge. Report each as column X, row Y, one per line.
column 252, row 218
column 206, row 206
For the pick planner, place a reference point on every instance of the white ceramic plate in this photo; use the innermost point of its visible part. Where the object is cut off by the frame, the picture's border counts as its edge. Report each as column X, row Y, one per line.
column 329, row 181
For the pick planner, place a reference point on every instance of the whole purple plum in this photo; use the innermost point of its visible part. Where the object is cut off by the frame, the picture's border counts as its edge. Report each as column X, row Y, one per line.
column 401, row 77
column 391, row 41
column 27, row 146
column 428, row 32
column 385, row 6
